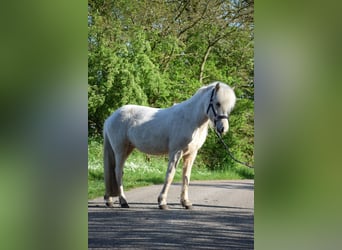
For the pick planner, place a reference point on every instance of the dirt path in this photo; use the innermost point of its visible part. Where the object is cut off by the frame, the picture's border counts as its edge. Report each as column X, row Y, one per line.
column 222, row 218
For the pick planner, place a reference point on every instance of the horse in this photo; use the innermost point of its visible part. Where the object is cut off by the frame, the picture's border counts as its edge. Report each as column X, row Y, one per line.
column 179, row 131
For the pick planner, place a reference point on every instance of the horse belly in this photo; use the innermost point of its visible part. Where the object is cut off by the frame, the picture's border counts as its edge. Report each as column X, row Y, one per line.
column 149, row 142
column 152, row 150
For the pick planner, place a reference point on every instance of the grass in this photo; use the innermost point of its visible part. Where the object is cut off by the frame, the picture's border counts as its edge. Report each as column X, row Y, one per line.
column 141, row 170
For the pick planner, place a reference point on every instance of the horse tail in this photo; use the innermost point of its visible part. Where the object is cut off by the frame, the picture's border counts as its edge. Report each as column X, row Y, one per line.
column 111, row 185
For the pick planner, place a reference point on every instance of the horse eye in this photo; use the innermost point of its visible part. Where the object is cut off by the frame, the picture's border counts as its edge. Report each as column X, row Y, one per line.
column 218, row 104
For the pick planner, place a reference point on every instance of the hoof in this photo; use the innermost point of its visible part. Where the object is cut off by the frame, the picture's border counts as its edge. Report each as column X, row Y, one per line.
column 188, row 207
column 123, row 202
column 163, row 207
column 125, row 205
column 109, row 204
column 109, row 201
column 187, row 204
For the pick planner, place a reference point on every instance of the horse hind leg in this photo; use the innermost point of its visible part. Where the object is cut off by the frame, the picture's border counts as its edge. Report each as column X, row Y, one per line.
column 113, row 172
column 120, row 160
column 119, row 175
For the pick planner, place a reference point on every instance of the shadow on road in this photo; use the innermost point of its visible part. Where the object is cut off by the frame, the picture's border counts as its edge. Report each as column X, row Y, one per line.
column 222, row 218
column 179, row 228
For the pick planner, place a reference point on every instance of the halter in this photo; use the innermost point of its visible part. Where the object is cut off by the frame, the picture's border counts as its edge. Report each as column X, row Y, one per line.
column 211, row 105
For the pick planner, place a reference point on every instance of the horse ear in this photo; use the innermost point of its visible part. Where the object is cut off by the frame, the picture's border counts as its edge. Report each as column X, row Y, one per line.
column 217, row 87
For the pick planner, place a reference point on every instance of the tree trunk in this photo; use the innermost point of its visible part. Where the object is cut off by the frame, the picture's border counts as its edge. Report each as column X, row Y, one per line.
column 201, row 75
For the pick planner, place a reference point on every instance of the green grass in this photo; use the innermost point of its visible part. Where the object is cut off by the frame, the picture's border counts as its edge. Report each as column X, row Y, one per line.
column 141, row 170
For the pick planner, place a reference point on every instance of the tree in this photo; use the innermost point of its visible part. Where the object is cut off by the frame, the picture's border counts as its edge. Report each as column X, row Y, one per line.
column 160, row 52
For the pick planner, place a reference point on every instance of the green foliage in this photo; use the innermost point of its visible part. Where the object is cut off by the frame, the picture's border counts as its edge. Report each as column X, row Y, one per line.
column 158, row 53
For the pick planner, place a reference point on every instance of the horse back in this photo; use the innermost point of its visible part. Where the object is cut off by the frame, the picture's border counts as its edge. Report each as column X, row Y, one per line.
column 143, row 127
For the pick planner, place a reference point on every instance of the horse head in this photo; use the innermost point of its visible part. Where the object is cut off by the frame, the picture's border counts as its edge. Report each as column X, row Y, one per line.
column 222, row 101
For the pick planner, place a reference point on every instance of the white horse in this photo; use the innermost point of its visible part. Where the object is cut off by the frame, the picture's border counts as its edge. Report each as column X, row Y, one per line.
column 178, row 131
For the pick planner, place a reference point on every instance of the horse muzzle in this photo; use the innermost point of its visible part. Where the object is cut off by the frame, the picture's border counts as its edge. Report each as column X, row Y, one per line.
column 221, row 124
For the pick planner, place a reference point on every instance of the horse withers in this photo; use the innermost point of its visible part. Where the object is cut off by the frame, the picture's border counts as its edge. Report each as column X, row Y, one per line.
column 178, row 131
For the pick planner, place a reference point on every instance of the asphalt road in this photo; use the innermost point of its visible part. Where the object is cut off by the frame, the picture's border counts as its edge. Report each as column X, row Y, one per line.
column 222, row 218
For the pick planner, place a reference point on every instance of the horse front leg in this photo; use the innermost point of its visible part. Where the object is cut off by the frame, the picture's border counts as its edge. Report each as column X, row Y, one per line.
column 170, row 173
column 188, row 161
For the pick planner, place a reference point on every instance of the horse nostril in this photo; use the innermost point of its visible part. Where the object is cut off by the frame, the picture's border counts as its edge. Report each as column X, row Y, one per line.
column 220, row 130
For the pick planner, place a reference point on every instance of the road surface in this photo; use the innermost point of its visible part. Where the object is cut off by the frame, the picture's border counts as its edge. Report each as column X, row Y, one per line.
column 222, row 218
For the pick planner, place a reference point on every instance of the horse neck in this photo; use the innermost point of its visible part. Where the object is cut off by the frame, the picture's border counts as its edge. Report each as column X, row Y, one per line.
column 196, row 107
